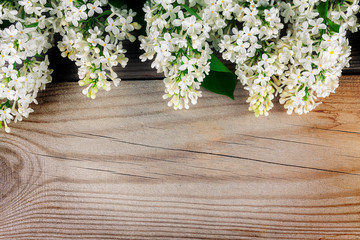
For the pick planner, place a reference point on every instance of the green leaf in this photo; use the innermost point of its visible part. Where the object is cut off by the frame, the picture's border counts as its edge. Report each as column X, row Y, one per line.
column 117, row 3
column 106, row 13
column 217, row 65
column 32, row 25
column 262, row 8
column 323, row 9
column 39, row 56
column 333, row 26
column 191, row 11
column 220, row 79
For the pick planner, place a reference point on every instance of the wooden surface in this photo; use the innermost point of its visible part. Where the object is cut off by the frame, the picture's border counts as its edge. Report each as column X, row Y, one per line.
column 126, row 166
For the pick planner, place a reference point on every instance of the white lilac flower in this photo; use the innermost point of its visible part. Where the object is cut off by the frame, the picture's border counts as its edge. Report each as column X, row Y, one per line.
column 94, row 7
column 317, row 53
column 177, row 44
column 92, row 37
column 251, row 46
column 23, row 67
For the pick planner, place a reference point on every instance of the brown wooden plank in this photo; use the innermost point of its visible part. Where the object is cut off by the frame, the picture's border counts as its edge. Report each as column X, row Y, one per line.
column 126, row 166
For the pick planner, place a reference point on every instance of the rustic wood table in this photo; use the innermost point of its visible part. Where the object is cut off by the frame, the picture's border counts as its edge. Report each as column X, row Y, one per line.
column 125, row 166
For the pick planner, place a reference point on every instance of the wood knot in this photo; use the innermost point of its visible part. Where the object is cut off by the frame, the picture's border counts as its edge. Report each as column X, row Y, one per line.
column 19, row 167
column 11, row 164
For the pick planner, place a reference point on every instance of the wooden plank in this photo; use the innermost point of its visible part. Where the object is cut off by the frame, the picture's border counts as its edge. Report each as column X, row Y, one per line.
column 65, row 70
column 126, row 166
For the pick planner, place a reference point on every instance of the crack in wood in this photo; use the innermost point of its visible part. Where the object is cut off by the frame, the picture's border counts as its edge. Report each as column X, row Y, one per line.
column 222, row 155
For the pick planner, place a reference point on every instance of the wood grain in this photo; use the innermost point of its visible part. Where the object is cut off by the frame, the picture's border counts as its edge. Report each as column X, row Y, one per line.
column 126, row 166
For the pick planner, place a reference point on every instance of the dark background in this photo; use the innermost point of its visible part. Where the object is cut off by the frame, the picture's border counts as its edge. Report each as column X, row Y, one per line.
column 66, row 70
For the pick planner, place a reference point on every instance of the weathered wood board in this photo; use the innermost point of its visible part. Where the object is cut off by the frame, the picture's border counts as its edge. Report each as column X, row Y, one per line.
column 126, row 166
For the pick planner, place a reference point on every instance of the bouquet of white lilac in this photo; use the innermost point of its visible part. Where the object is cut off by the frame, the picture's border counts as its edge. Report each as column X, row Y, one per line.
column 314, row 50
column 92, row 33
column 25, row 37
column 293, row 49
column 296, row 49
column 177, row 41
